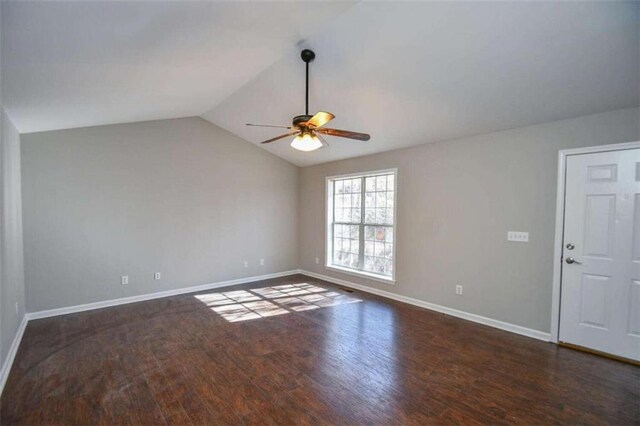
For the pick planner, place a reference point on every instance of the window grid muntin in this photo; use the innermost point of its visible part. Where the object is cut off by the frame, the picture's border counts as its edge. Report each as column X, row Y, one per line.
column 384, row 184
column 378, row 249
column 379, row 199
column 346, row 245
column 348, row 200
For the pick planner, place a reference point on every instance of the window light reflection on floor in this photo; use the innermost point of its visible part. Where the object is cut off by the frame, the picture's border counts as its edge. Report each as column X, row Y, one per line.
column 264, row 302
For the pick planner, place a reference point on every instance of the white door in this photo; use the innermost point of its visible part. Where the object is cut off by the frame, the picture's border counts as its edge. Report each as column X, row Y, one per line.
column 600, row 293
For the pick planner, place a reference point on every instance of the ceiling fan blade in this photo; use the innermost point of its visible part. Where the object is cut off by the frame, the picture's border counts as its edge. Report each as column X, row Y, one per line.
column 320, row 119
column 344, row 134
column 280, row 137
column 268, row 125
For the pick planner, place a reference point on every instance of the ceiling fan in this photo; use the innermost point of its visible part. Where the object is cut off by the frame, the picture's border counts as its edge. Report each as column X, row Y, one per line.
column 309, row 129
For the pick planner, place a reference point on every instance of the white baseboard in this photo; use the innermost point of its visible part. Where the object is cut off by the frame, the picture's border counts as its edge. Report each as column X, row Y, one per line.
column 150, row 296
column 524, row 331
column 11, row 355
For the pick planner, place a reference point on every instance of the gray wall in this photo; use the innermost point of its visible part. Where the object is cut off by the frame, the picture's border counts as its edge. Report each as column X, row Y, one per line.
column 181, row 197
column 192, row 201
column 12, row 288
column 456, row 202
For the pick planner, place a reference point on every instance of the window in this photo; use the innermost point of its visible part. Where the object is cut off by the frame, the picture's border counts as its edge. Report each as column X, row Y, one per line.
column 360, row 224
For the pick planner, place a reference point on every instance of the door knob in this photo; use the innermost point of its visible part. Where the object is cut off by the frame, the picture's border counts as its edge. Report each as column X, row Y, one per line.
column 571, row 260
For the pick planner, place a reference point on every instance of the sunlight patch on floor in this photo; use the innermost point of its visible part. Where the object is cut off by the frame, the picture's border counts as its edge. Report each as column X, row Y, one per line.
column 264, row 302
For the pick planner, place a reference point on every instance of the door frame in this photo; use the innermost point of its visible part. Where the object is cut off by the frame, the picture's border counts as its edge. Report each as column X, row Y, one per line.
column 559, row 236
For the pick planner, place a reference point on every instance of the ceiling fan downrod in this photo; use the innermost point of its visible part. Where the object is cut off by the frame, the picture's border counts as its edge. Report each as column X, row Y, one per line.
column 307, row 56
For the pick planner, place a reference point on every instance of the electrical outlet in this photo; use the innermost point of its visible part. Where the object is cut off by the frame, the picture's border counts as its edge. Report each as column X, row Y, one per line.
column 157, row 276
column 124, row 280
column 459, row 290
column 518, row 236
column 261, row 262
column 246, row 263
column 317, row 260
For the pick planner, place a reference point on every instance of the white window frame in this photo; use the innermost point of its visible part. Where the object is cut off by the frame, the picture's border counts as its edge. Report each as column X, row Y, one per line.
column 329, row 221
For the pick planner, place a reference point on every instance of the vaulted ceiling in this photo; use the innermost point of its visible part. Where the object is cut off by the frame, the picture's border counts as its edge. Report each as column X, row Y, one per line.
column 83, row 63
column 407, row 73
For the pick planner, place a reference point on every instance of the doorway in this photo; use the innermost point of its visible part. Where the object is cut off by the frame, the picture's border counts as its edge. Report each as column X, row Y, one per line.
column 597, row 265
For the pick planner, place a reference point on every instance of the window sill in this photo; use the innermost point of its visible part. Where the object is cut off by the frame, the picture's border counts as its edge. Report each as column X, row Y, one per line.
column 362, row 274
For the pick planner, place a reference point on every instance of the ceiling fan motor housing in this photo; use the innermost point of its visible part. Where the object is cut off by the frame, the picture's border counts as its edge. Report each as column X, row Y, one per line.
column 298, row 119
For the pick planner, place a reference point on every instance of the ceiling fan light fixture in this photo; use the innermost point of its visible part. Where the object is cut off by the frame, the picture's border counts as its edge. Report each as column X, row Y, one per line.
column 306, row 142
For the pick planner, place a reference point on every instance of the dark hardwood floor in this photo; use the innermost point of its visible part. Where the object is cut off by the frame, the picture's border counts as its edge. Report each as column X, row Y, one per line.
column 297, row 350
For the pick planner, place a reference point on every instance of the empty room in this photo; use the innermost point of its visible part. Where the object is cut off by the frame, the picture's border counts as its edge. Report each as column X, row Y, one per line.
column 319, row 212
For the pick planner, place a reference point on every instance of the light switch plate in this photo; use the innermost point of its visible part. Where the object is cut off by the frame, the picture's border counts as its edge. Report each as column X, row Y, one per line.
column 518, row 236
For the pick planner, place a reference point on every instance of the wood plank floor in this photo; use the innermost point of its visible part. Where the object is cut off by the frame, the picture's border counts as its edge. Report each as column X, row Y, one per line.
column 297, row 350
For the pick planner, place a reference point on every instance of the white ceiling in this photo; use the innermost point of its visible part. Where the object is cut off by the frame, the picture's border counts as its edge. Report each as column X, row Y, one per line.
column 72, row 64
column 414, row 73
column 408, row 73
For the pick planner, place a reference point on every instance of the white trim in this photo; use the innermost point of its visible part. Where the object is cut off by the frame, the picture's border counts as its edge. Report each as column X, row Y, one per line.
column 362, row 274
column 601, row 148
column 535, row 334
column 328, row 196
column 557, row 253
column 150, row 296
column 11, row 355
column 364, row 173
